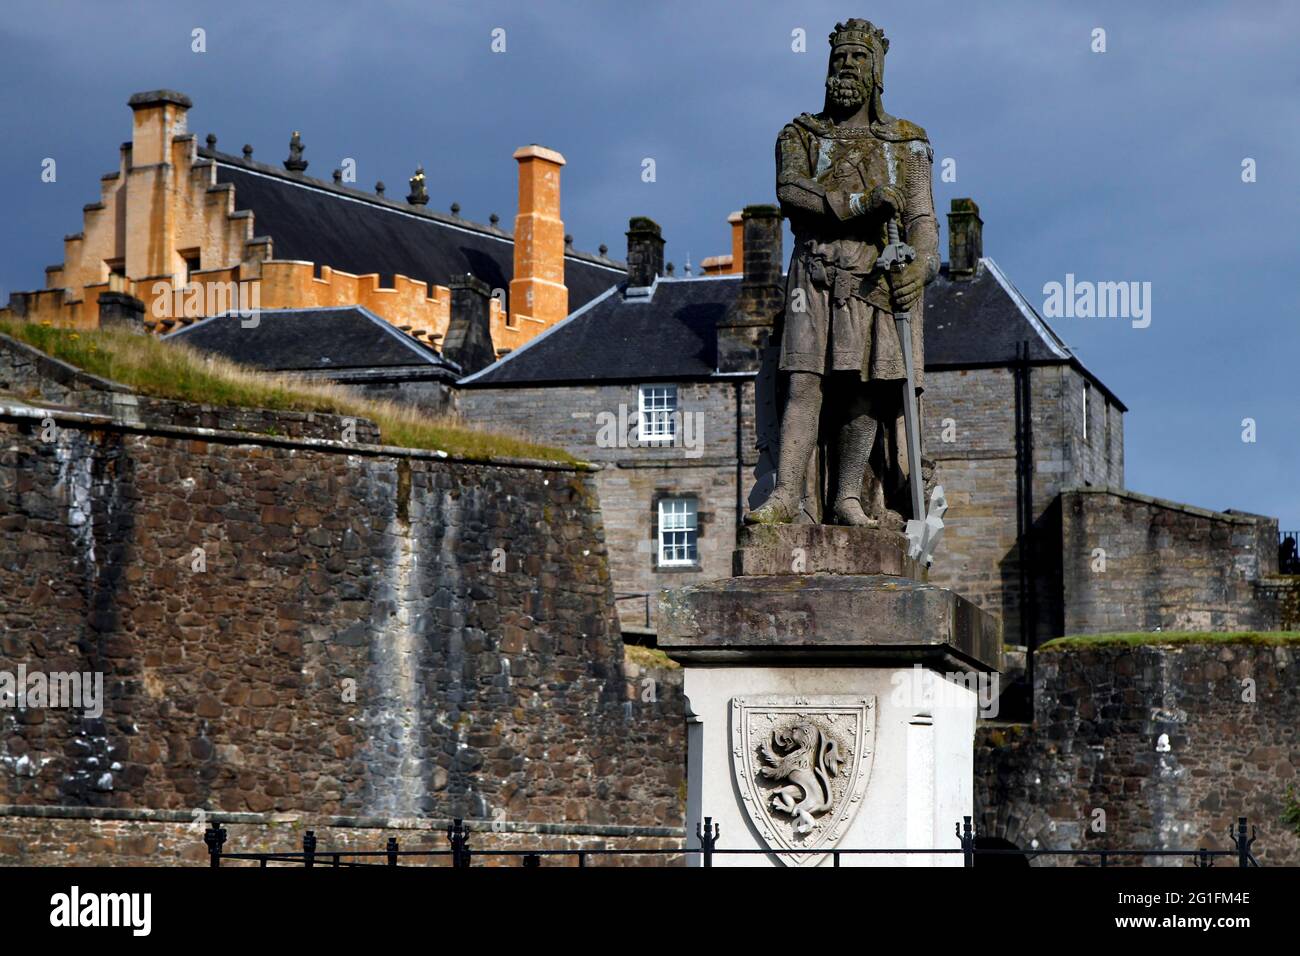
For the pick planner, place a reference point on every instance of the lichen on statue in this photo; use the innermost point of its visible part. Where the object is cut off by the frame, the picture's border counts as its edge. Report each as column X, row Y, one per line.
column 842, row 177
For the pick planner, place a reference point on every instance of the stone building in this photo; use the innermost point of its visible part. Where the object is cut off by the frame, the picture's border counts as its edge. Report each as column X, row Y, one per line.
column 655, row 379
column 193, row 232
column 650, row 374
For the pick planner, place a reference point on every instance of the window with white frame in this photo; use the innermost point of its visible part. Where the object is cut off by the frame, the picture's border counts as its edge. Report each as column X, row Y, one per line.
column 657, row 419
column 678, row 531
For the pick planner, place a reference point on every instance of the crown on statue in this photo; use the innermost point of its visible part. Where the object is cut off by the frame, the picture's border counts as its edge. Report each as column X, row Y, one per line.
column 861, row 32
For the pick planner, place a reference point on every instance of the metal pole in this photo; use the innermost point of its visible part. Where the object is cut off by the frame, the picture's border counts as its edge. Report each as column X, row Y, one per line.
column 215, row 838
column 708, row 837
column 392, row 851
column 309, row 848
column 458, row 836
column 1244, row 843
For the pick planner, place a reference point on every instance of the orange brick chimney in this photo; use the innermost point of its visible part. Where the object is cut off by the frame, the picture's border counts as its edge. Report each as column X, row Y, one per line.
column 537, row 291
column 726, row 265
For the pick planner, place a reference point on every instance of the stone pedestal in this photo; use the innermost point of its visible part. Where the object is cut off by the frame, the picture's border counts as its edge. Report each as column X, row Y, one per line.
column 831, row 699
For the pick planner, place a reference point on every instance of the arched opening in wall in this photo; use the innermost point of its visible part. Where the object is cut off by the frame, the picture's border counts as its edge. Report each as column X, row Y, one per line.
column 1013, row 860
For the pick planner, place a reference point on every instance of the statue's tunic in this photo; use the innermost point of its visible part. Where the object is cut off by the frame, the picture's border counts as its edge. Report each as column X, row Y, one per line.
column 843, row 318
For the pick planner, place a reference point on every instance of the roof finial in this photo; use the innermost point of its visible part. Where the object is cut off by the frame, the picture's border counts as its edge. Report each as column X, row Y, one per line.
column 379, row 187
column 419, row 194
column 455, row 209
column 603, row 250
column 248, row 151
column 338, row 177
column 686, row 269
column 493, row 219
column 212, row 141
column 295, row 163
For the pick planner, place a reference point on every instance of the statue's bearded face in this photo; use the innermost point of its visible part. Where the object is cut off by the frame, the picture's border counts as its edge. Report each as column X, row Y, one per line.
column 848, row 80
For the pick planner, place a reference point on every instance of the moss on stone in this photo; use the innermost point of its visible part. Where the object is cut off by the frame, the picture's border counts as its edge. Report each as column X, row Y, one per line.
column 648, row 657
column 1172, row 639
column 169, row 370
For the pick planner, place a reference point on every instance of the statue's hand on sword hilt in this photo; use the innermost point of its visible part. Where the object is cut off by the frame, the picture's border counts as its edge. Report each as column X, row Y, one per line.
column 897, row 255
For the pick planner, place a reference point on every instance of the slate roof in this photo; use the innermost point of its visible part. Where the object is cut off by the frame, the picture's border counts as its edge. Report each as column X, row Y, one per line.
column 980, row 321
column 671, row 335
column 315, row 340
column 360, row 232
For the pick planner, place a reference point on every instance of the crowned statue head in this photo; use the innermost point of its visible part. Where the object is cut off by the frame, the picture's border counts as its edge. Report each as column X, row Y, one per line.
column 855, row 74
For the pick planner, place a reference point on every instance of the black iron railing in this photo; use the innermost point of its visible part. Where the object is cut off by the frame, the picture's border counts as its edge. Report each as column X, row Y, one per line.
column 459, row 854
column 1288, row 552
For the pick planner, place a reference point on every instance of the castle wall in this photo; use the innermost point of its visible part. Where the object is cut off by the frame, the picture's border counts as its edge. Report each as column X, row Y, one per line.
column 1135, row 563
column 1162, row 747
column 368, row 633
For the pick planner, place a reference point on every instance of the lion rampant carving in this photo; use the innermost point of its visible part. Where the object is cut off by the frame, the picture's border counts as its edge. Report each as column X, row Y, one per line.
column 804, row 755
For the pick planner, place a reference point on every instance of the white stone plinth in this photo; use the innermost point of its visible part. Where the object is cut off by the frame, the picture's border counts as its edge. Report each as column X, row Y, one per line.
column 921, row 743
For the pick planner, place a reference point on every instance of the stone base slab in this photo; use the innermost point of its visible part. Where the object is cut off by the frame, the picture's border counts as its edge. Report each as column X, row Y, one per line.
column 826, row 617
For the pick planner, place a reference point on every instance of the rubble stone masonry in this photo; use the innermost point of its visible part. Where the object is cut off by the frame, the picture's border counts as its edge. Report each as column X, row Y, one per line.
column 297, row 627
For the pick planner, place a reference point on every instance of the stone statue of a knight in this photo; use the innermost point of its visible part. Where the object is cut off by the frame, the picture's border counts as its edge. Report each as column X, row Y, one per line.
column 842, row 176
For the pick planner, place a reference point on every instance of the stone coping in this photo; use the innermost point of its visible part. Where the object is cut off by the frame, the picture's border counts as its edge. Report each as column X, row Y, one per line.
column 145, row 815
column 794, row 620
column 60, row 371
column 15, row 411
column 1233, row 517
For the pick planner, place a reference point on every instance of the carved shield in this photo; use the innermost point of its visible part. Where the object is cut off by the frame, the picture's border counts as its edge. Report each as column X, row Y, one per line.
column 801, row 766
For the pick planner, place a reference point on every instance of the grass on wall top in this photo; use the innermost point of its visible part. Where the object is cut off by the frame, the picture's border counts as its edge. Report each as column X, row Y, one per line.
column 171, row 370
column 1171, row 638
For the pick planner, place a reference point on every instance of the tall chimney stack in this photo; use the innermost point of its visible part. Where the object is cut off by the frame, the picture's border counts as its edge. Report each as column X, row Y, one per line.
column 965, row 239
column 537, row 291
column 645, row 252
column 744, row 330
column 158, row 118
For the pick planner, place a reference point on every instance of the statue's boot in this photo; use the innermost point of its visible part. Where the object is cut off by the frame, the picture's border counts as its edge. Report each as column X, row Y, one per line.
column 849, row 511
column 856, row 437
column 781, row 508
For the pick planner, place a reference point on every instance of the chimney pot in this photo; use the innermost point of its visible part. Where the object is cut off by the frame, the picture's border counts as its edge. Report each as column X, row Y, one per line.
column 965, row 239
column 645, row 251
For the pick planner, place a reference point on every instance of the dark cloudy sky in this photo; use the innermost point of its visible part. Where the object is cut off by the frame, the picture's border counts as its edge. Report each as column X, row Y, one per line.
column 1123, row 165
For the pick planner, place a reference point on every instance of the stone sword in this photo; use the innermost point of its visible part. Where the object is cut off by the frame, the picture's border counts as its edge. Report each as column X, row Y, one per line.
column 892, row 259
